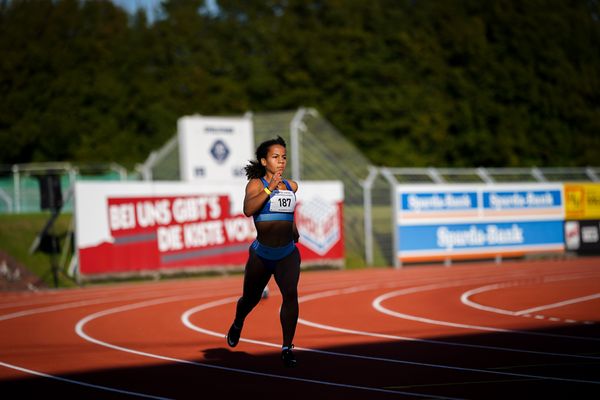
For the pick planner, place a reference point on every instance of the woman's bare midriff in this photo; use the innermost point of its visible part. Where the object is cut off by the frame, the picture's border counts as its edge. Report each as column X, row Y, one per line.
column 275, row 233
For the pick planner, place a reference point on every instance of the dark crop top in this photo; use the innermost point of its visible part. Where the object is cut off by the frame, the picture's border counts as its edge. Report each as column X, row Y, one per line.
column 279, row 207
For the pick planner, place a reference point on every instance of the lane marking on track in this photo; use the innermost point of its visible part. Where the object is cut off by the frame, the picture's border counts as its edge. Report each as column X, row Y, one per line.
column 54, row 296
column 186, row 321
column 80, row 331
column 63, row 295
column 465, row 298
column 463, row 383
column 99, row 297
column 112, row 299
column 66, row 306
column 98, row 301
column 80, row 383
column 547, row 365
column 560, row 304
column 405, row 338
column 378, row 306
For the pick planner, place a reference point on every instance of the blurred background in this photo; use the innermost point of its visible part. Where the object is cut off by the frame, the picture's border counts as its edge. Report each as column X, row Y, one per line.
column 465, row 89
column 411, row 83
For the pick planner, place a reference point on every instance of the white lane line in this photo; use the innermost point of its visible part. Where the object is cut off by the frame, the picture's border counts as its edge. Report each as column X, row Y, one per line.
column 560, row 303
column 377, row 305
column 72, row 305
column 72, row 381
column 54, row 296
column 81, row 294
column 82, row 303
column 186, row 321
column 465, row 298
column 111, row 299
column 90, row 293
column 80, row 331
column 404, row 338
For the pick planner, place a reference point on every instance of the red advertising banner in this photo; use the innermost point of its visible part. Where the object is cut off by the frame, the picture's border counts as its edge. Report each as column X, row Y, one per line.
column 121, row 230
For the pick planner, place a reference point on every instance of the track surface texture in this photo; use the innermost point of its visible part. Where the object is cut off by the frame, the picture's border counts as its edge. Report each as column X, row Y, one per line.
column 471, row 331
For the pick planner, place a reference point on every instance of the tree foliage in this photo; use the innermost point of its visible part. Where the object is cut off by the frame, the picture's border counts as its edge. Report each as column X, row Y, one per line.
column 411, row 83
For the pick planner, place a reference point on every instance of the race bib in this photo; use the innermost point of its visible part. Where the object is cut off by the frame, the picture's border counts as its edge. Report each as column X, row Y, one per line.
column 282, row 201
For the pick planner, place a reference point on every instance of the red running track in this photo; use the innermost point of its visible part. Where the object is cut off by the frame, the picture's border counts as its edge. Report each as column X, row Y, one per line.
column 476, row 331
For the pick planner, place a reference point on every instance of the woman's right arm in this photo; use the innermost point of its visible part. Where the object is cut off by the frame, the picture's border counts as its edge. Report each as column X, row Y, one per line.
column 255, row 197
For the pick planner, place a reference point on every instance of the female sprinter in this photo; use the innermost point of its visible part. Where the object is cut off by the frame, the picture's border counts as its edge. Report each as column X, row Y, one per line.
column 271, row 200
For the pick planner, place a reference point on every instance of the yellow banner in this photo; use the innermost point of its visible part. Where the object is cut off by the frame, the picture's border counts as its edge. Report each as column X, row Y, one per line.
column 582, row 200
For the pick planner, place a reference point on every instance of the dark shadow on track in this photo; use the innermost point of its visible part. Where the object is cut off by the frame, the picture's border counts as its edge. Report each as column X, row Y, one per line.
column 425, row 368
column 225, row 354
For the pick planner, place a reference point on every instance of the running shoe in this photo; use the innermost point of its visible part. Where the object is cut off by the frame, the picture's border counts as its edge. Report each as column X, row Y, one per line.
column 287, row 355
column 233, row 336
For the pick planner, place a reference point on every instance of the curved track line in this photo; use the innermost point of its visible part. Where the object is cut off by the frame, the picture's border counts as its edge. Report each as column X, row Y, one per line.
column 80, row 331
column 560, row 303
column 396, row 337
column 377, row 305
column 58, row 378
column 66, row 306
column 186, row 321
column 99, row 301
column 465, row 298
column 56, row 296
column 63, row 295
column 73, row 305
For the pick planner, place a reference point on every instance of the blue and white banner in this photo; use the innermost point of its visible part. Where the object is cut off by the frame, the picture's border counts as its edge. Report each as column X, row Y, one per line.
column 530, row 202
column 436, row 222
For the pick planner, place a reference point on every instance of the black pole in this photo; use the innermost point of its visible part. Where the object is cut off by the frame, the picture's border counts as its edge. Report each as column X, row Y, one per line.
column 53, row 261
column 47, row 240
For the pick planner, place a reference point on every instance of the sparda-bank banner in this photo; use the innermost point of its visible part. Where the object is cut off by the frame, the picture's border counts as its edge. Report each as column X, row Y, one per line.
column 437, row 222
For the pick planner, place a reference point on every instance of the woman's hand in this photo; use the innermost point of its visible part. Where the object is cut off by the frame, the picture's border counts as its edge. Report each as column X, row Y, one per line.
column 276, row 179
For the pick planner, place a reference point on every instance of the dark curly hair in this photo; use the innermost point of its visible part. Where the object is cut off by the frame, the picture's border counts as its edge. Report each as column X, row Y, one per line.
column 255, row 169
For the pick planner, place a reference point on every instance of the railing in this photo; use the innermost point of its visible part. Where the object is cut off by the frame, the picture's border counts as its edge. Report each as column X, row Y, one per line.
column 20, row 189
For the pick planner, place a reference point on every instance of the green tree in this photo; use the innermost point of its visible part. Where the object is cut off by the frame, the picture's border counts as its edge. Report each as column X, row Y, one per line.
column 412, row 83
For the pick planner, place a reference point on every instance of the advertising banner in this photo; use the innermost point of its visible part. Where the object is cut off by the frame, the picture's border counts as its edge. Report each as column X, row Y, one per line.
column 125, row 228
column 582, row 209
column 582, row 201
column 437, row 222
column 583, row 236
column 214, row 148
column 320, row 221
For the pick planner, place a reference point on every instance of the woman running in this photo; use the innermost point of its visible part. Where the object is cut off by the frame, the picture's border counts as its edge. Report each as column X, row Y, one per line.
column 271, row 201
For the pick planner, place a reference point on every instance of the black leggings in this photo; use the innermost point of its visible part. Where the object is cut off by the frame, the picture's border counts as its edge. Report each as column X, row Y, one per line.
column 256, row 277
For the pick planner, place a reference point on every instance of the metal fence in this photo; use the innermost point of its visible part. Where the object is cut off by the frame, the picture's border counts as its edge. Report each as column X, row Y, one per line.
column 316, row 151
column 20, row 187
column 379, row 195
